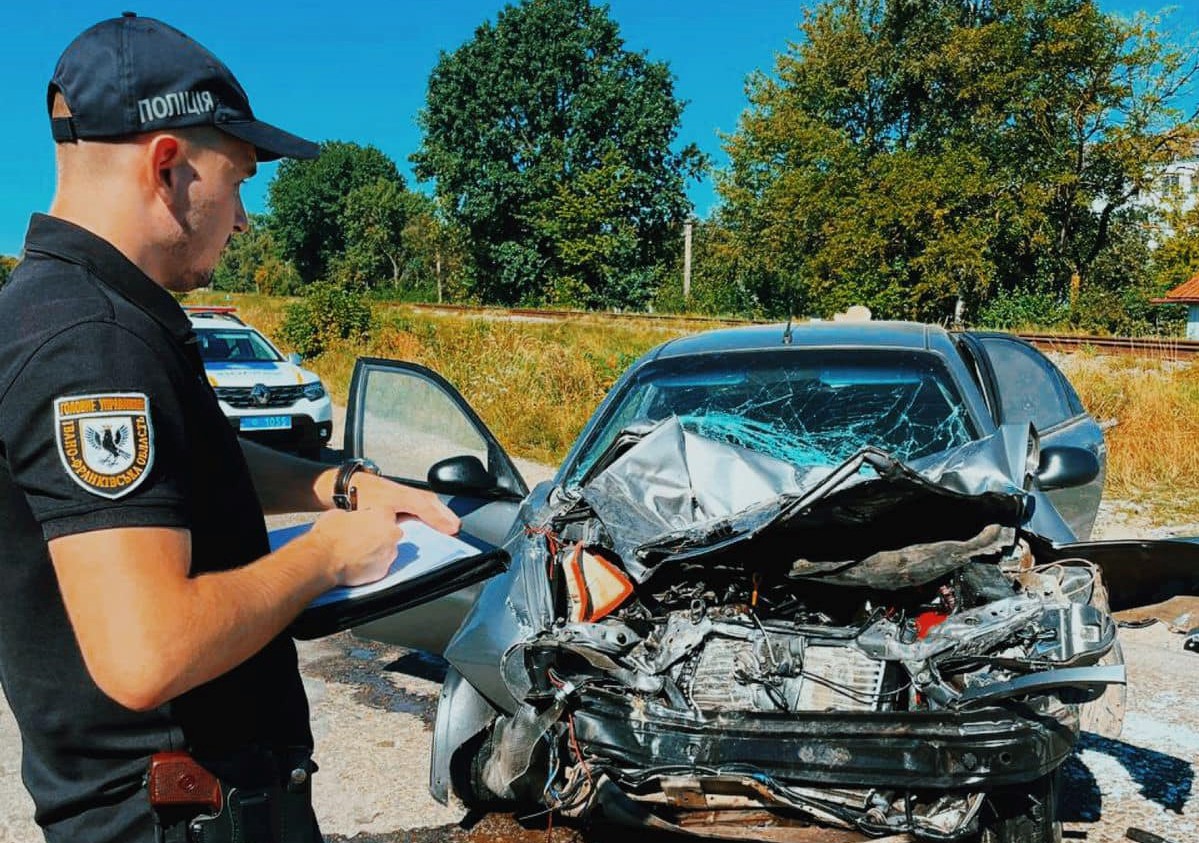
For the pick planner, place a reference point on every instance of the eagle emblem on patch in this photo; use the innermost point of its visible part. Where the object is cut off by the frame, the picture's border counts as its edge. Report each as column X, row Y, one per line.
column 106, row 442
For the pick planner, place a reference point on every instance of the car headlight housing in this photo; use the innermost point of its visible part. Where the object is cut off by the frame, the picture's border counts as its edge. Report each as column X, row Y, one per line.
column 314, row 391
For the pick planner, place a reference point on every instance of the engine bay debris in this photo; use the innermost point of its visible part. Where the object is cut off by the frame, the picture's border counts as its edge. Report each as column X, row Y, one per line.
column 871, row 646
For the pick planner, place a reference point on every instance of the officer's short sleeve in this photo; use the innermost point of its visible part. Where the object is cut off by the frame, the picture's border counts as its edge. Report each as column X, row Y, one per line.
column 93, row 429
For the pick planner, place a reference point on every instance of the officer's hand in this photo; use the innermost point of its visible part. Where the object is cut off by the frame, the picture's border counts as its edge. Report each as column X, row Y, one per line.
column 381, row 493
column 360, row 545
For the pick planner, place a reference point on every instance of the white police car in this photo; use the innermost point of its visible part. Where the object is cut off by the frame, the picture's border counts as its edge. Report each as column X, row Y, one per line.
column 265, row 395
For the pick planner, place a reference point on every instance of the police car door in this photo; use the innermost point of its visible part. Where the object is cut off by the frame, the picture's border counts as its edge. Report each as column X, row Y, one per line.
column 418, row 429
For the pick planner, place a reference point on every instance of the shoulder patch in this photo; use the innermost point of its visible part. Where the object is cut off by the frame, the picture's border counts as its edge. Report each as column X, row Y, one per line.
column 105, row 442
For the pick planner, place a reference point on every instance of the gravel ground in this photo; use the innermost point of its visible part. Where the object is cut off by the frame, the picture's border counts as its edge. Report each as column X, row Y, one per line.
column 373, row 705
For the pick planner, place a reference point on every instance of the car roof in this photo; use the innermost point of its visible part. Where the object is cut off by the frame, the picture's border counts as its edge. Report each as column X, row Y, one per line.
column 216, row 320
column 213, row 316
column 914, row 336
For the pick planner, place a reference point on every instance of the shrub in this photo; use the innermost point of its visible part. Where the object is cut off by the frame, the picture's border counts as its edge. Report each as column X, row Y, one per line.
column 1124, row 311
column 1020, row 309
column 275, row 277
column 6, row 268
column 328, row 314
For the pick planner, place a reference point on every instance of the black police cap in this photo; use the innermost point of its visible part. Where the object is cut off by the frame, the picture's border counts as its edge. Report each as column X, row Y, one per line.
column 131, row 75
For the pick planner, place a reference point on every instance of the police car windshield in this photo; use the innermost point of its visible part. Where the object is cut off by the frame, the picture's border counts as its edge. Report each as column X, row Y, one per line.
column 225, row 345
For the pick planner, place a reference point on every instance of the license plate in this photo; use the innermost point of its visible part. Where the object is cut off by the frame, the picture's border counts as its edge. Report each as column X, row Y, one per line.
column 266, row 422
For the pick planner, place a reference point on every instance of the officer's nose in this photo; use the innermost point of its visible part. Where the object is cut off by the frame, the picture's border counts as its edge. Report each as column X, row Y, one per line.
column 241, row 222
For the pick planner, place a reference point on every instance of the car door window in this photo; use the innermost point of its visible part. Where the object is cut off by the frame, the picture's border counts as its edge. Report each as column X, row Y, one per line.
column 408, row 424
column 1030, row 387
column 407, row 418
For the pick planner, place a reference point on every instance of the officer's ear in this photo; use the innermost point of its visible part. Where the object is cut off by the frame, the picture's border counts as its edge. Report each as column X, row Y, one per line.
column 167, row 169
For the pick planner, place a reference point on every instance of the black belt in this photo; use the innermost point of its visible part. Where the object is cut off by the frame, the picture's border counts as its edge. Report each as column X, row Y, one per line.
column 252, row 796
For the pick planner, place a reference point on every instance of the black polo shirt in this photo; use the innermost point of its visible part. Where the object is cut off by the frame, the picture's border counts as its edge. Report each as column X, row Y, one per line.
column 107, row 420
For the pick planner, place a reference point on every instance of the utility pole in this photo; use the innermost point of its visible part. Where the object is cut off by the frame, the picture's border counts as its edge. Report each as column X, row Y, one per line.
column 437, row 254
column 687, row 262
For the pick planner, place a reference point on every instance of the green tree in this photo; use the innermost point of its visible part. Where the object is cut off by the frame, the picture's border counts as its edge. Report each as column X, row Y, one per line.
column 308, row 202
column 1176, row 259
column 251, row 263
column 398, row 242
column 373, row 220
column 717, row 283
column 905, row 155
column 326, row 316
column 551, row 145
column 437, row 257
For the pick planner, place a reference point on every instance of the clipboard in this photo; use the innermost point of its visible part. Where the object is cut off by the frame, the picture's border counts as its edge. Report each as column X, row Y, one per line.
column 428, row 565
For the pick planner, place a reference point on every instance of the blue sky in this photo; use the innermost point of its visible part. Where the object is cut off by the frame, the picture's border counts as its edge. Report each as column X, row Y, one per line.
column 357, row 70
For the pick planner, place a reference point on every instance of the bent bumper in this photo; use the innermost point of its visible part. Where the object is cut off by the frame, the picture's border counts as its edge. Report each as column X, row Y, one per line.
column 904, row 750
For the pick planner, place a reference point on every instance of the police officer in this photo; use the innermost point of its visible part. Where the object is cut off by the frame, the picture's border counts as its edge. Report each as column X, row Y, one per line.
column 141, row 610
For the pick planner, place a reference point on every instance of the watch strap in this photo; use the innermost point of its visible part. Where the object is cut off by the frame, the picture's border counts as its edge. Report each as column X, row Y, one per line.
column 345, row 496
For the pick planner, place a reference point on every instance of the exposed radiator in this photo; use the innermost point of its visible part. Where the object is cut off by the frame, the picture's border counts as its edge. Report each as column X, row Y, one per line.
column 720, row 681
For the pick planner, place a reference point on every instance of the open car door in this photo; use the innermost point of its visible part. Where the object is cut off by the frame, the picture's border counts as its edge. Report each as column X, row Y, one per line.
column 419, row 430
column 1022, row 385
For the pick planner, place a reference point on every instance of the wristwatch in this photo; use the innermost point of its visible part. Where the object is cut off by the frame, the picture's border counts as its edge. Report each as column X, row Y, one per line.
column 345, row 496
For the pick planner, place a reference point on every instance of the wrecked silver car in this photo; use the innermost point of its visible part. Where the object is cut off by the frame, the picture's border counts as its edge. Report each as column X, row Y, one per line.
column 876, row 647
column 806, row 587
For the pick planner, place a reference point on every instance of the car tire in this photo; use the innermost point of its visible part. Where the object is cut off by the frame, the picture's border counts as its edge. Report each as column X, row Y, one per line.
column 1022, row 814
column 466, row 772
column 1105, row 716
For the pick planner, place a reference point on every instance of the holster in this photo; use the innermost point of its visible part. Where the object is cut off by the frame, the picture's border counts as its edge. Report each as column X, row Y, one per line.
column 248, row 797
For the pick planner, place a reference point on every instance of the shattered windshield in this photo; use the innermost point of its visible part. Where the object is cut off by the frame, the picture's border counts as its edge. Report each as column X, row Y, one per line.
column 809, row 408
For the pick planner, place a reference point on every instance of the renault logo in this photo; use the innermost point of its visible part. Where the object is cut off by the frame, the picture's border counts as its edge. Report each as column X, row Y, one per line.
column 260, row 394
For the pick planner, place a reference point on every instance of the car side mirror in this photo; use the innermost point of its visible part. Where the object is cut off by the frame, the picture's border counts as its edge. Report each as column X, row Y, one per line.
column 294, row 359
column 463, row 475
column 1066, row 466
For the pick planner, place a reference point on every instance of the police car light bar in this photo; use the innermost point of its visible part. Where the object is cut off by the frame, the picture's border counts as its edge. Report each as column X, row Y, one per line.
column 213, row 310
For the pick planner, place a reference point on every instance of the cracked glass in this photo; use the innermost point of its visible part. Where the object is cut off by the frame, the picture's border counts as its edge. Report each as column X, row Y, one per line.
column 807, row 407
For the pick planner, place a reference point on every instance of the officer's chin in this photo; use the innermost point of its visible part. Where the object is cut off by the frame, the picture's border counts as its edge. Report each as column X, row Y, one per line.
column 189, row 281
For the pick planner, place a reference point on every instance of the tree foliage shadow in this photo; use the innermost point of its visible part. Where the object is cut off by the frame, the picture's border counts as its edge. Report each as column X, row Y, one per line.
column 1163, row 779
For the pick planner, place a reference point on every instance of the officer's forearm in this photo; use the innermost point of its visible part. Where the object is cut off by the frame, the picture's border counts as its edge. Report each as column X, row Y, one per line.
column 148, row 632
column 287, row 483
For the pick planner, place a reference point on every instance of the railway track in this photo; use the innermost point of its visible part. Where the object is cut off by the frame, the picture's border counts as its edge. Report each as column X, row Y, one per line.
column 548, row 315
column 1164, row 348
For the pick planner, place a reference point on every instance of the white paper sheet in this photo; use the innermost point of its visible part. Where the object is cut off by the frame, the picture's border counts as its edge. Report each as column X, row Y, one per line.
column 421, row 550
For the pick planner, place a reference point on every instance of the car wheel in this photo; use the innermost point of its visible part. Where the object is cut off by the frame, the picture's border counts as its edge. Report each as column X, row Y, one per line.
column 1022, row 814
column 466, row 772
column 1105, row 716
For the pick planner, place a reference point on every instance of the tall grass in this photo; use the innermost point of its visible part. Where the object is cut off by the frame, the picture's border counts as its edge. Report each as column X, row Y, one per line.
column 536, row 383
column 1153, row 447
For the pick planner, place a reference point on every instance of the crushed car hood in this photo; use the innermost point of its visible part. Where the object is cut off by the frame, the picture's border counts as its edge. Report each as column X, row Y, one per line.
column 674, row 495
column 667, row 496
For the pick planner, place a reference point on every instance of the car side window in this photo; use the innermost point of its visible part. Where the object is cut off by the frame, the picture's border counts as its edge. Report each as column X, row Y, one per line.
column 1031, row 389
column 408, row 423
